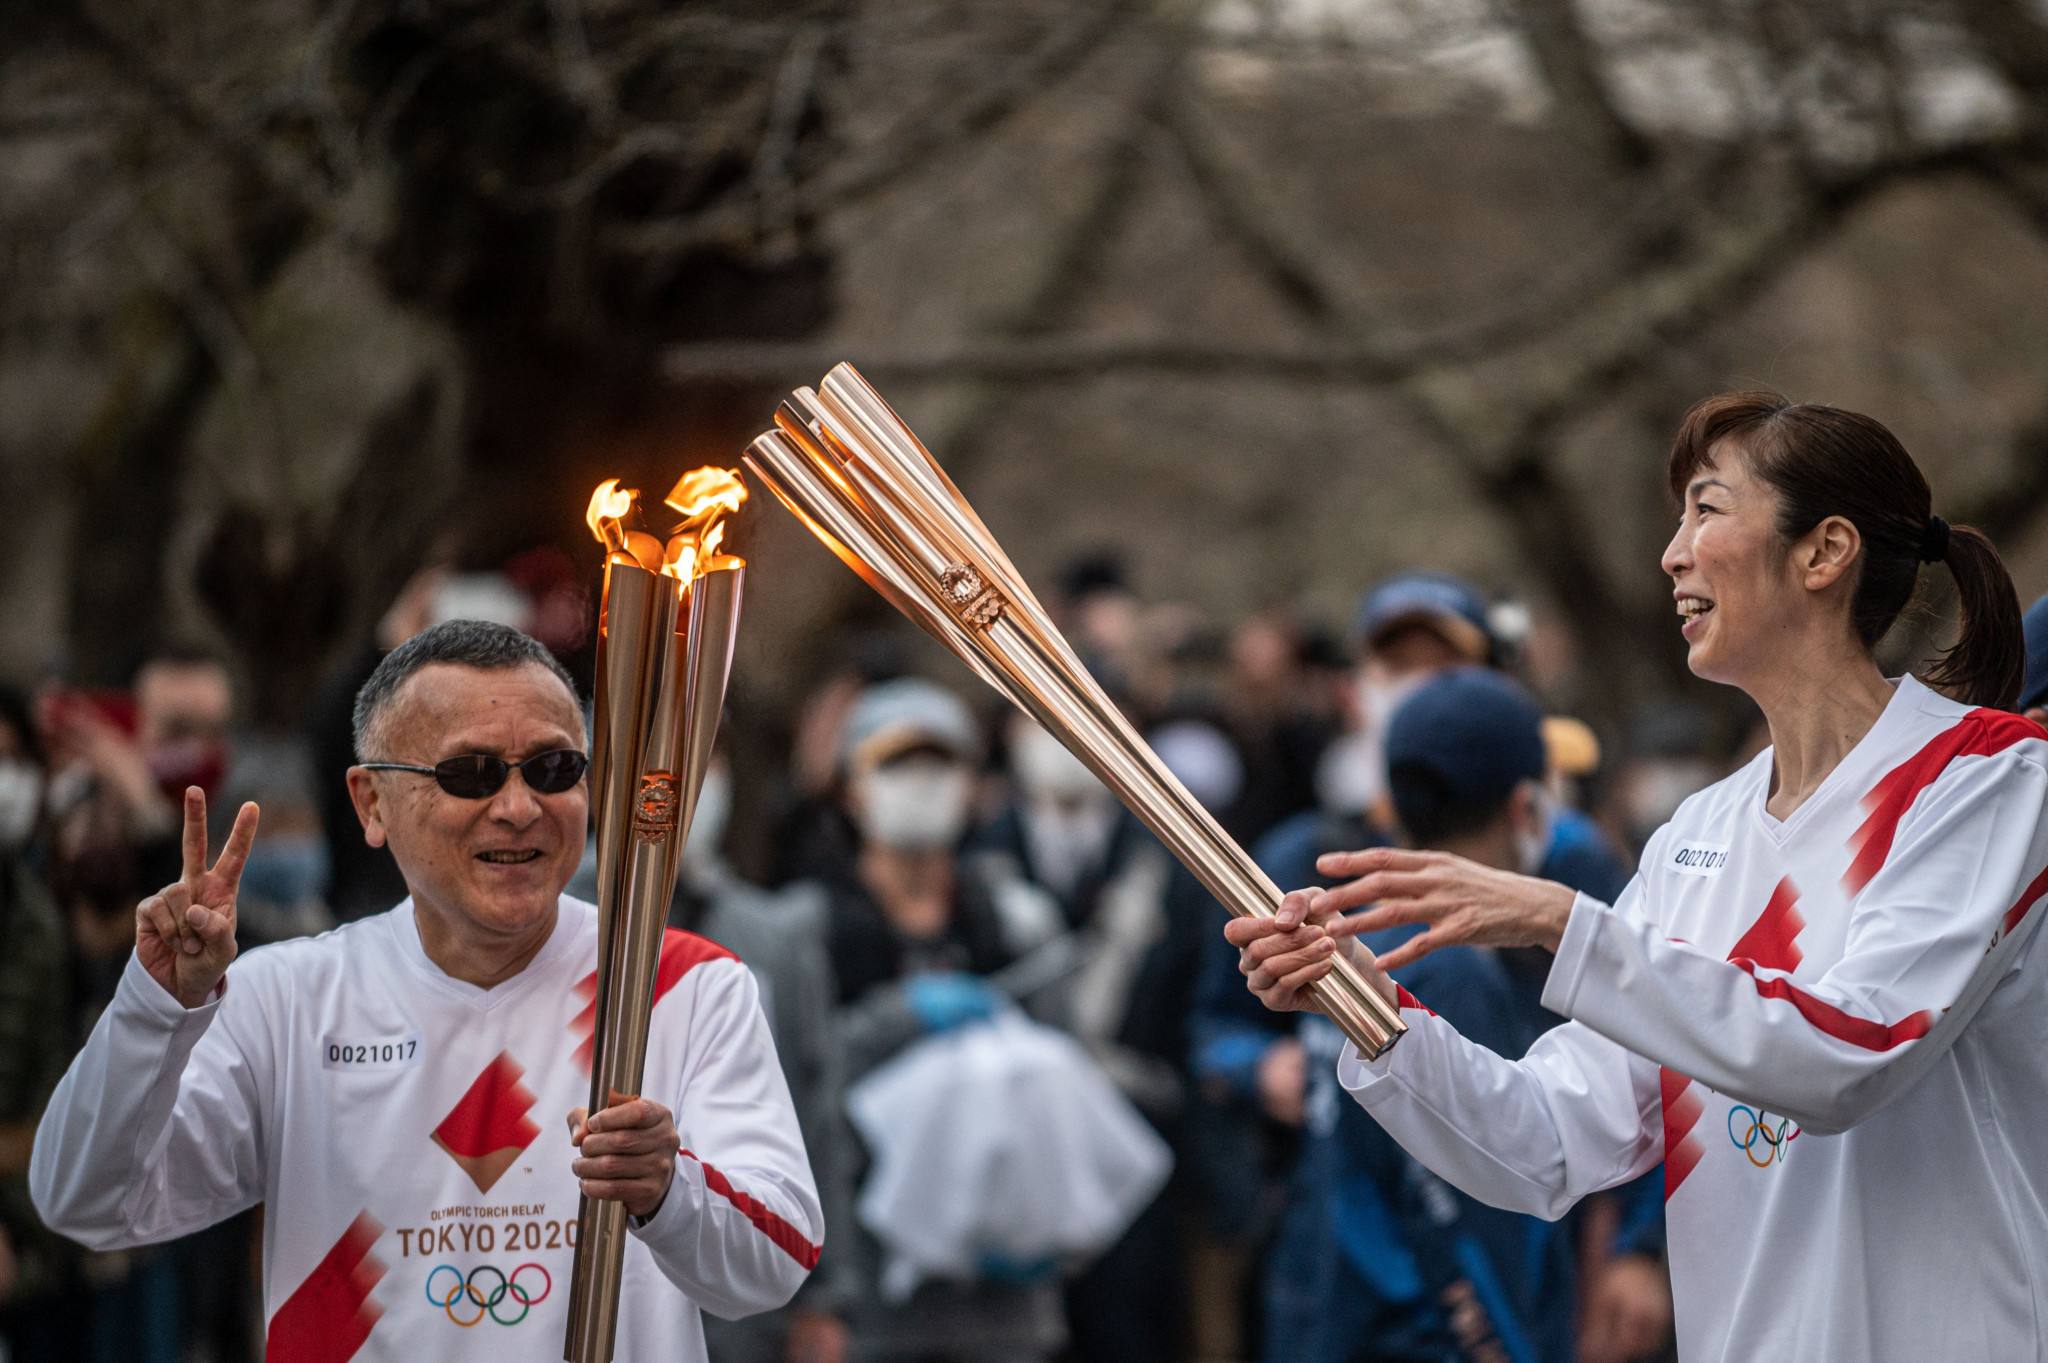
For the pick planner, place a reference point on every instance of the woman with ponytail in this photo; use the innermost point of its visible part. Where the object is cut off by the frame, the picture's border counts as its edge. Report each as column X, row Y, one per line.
column 1823, row 1000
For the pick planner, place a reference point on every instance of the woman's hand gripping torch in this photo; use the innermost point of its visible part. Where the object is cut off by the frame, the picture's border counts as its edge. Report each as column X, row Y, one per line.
column 845, row 464
column 664, row 652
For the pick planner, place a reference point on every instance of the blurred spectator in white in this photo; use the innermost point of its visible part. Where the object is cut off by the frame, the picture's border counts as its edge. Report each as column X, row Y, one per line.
column 915, row 933
column 1141, row 929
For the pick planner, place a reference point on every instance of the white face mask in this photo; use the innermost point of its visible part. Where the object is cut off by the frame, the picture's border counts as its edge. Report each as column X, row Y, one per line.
column 708, row 821
column 1532, row 841
column 21, row 799
column 1352, row 775
column 1378, row 696
column 913, row 806
column 1046, row 771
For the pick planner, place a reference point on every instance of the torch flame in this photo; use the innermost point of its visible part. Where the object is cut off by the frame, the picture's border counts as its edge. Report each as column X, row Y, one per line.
column 609, row 506
column 704, row 493
column 703, row 497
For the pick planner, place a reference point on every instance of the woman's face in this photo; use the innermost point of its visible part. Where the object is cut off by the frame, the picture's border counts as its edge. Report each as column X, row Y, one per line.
column 1738, row 597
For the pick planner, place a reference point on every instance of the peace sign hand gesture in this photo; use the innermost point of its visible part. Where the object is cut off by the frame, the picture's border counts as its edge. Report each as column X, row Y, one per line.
column 185, row 932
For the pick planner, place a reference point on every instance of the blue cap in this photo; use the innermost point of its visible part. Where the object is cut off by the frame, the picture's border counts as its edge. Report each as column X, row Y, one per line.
column 1449, row 605
column 2034, row 690
column 1472, row 729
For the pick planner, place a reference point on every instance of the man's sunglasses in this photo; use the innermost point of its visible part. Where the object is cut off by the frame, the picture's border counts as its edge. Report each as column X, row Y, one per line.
column 478, row 776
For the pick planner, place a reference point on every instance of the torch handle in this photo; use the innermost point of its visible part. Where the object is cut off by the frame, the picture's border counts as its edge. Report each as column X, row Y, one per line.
column 651, row 785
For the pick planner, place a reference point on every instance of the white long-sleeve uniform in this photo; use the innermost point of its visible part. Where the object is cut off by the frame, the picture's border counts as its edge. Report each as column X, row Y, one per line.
column 407, row 1135
column 1832, row 1029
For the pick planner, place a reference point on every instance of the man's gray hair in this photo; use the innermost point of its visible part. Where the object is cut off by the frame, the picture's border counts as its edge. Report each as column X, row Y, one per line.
column 466, row 643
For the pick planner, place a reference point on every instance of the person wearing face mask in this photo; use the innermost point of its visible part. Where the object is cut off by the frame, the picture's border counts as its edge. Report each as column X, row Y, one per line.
column 1142, row 930
column 1378, row 1259
column 915, row 930
column 37, row 1270
column 1410, row 627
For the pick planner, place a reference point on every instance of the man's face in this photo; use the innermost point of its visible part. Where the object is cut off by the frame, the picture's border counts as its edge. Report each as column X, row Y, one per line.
column 1413, row 648
column 496, row 865
column 180, row 703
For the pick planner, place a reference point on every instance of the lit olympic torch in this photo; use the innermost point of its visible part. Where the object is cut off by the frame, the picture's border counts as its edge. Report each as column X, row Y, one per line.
column 664, row 651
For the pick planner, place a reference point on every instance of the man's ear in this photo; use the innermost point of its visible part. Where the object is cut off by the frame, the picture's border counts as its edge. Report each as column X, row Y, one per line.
column 368, row 800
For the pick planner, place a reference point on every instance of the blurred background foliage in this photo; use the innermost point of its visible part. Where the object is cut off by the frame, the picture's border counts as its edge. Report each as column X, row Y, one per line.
column 299, row 295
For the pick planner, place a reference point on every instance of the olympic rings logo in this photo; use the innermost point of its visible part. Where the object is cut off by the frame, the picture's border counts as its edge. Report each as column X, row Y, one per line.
column 467, row 1291
column 1754, row 1133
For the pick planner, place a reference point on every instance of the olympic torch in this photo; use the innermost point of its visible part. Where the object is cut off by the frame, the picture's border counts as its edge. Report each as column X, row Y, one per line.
column 845, row 464
column 664, row 653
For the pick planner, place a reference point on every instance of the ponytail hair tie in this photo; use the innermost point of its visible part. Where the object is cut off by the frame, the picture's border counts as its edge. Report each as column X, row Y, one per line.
column 1934, row 540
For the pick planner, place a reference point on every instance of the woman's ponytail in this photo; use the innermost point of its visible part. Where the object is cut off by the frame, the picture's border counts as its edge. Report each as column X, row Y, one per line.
column 1989, row 659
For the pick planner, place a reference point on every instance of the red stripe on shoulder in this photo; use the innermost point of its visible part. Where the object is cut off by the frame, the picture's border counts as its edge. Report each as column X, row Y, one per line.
column 329, row 1315
column 1408, row 1000
column 1980, row 733
column 682, row 952
column 786, row 1237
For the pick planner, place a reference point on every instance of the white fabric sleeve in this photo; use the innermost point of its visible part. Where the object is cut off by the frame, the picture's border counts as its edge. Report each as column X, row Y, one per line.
column 1573, row 1116
column 1930, row 936
column 741, row 1226
column 155, row 1130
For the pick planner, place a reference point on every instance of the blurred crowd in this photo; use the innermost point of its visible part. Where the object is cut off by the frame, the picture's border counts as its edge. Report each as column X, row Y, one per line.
column 1047, row 1119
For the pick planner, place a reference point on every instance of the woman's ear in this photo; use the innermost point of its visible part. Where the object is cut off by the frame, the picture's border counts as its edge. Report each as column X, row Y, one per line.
column 1826, row 554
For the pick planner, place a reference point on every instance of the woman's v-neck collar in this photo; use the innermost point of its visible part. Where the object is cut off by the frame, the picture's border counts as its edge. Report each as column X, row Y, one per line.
column 1848, row 773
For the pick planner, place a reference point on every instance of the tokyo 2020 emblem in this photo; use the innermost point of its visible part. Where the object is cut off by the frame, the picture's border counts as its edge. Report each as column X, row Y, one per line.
column 654, row 807
column 1760, row 1142
column 486, row 1290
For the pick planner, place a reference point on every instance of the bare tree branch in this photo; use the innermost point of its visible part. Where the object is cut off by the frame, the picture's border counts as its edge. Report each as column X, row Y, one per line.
column 2012, row 37
column 249, row 152
column 1573, row 68
column 915, row 142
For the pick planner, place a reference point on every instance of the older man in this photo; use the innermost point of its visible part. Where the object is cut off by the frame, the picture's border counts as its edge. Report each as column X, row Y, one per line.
column 402, row 1093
